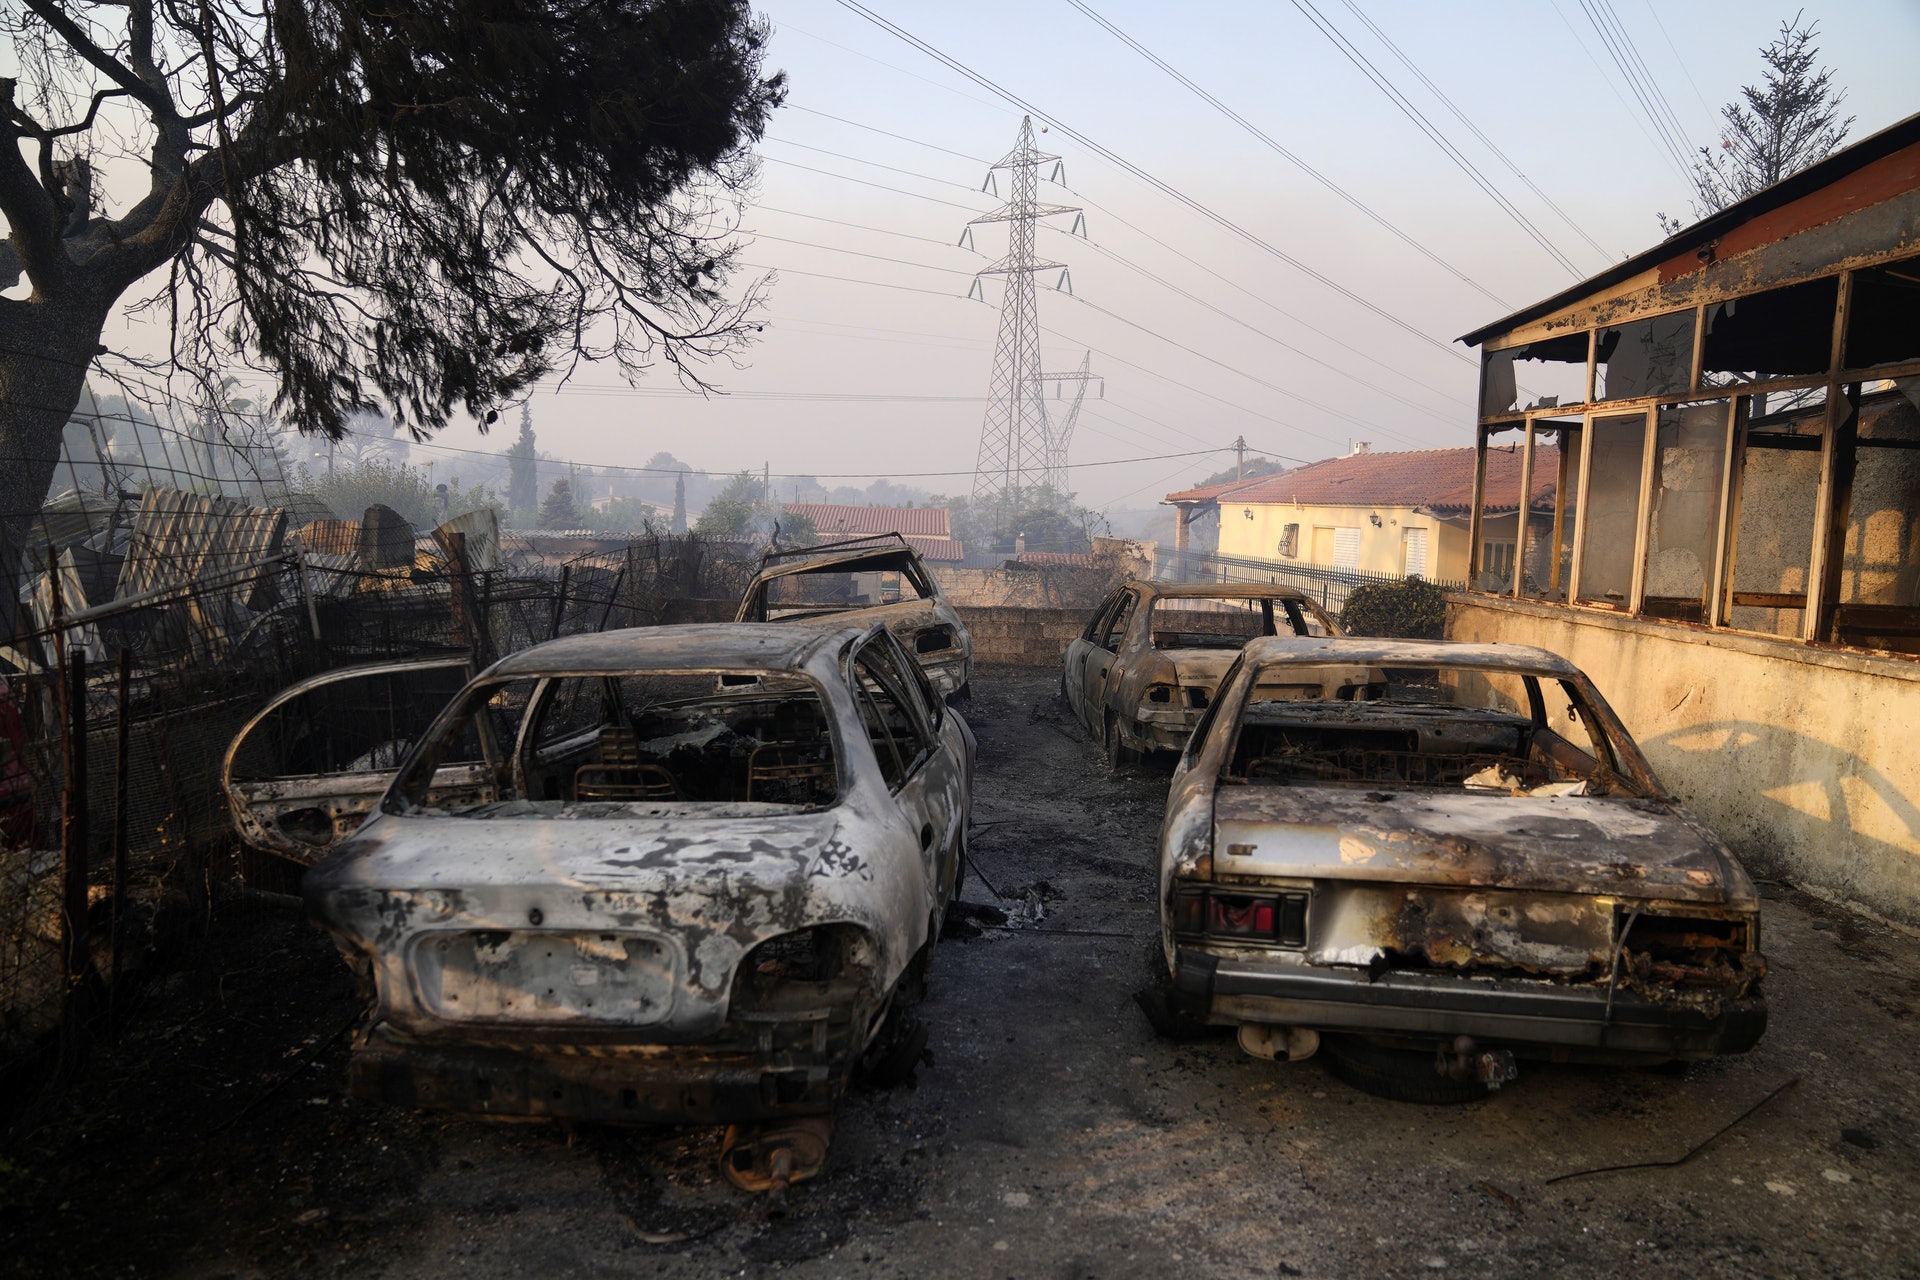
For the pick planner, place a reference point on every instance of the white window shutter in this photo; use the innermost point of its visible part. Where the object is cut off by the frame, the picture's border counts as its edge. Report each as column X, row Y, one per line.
column 1416, row 553
column 1346, row 548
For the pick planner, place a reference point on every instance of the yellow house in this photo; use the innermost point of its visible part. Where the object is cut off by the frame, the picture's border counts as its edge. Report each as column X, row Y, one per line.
column 1403, row 513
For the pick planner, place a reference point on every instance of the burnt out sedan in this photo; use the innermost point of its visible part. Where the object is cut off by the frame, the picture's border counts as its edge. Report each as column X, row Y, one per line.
column 669, row 874
column 1463, row 861
column 1144, row 670
column 865, row 580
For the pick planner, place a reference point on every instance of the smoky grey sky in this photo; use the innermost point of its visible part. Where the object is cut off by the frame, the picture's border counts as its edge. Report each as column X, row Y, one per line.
column 873, row 360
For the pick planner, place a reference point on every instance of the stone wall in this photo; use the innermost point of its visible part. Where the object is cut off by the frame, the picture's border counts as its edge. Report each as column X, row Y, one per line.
column 1023, row 637
column 1800, row 757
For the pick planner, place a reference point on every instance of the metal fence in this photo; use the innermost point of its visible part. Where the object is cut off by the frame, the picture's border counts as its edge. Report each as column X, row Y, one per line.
column 1328, row 587
column 113, row 822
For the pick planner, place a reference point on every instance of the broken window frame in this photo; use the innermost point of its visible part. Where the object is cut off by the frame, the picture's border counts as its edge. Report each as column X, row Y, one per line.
column 1844, row 386
column 1560, row 533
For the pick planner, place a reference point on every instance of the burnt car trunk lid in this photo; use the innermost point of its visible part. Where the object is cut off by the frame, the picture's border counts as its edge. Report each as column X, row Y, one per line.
column 1627, row 848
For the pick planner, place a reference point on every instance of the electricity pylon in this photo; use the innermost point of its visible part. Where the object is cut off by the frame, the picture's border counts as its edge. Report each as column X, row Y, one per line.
column 1016, row 444
column 1060, row 429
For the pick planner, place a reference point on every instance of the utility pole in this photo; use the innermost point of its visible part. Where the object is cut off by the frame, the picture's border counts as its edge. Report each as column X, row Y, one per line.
column 1239, row 457
column 1015, row 439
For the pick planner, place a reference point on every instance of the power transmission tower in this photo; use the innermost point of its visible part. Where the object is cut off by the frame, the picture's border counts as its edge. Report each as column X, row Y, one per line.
column 1016, row 444
column 1060, row 430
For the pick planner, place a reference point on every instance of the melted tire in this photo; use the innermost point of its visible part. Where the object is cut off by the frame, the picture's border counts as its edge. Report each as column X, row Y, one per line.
column 1400, row 1075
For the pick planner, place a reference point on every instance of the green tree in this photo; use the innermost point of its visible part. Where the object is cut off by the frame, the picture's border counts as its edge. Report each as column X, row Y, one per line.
column 557, row 511
column 735, row 511
column 421, row 205
column 523, row 466
column 1779, row 127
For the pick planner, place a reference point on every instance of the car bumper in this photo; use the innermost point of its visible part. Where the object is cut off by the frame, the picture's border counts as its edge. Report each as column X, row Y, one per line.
column 1510, row 1011
column 1162, row 731
column 680, row 1084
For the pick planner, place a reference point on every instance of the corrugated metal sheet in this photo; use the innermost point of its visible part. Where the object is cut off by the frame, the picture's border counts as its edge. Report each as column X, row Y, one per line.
column 179, row 537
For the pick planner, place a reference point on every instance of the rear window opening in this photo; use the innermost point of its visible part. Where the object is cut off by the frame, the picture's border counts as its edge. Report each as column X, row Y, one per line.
column 1471, row 730
column 1228, row 622
column 866, row 582
column 611, row 746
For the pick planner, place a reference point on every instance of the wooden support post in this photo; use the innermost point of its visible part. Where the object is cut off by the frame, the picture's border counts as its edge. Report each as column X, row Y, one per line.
column 1479, row 498
column 1521, row 514
column 1643, row 513
column 1580, row 507
column 1734, row 460
column 120, row 762
column 1833, row 502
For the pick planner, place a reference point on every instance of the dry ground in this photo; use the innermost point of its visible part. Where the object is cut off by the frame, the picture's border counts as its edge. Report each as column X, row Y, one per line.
column 1051, row 1135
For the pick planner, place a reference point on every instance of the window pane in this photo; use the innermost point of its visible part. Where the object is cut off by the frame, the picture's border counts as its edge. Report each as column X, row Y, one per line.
column 1783, row 333
column 1688, row 460
column 1645, row 358
column 1883, row 320
column 1613, row 509
column 1548, row 556
column 1773, row 544
column 1880, row 568
column 1499, row 507
column 1536, row 376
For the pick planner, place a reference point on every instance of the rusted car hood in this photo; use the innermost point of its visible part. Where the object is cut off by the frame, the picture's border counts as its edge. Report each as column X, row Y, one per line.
column 1638, row 849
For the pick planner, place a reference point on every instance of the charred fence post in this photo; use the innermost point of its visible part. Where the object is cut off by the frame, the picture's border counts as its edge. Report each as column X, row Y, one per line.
column 119, row 922
column 73, row 822
column 560, row 602
column 457, row 573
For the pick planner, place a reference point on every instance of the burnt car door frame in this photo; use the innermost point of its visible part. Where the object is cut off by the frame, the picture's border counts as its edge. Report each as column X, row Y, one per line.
column 1111, row 638
column 345, row 798
column 932, row 821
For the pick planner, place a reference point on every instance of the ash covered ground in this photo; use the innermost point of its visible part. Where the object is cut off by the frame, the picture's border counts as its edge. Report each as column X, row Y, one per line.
column 1050, row 1135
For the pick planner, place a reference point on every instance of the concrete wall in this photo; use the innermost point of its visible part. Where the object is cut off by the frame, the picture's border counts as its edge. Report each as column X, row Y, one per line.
column 1023, row 637
column 1802, row 758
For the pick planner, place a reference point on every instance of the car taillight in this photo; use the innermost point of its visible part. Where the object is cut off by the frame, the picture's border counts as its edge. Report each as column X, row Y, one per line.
column 1196, row 698
column 933, row 640
column 1259, row 917
column 1159, row 693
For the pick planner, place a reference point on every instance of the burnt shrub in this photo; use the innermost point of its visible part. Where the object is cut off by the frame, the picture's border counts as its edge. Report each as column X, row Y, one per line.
column 1411, row 610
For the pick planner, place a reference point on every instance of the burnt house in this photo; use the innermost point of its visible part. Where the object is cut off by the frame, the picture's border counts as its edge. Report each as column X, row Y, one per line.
column 1732, row 422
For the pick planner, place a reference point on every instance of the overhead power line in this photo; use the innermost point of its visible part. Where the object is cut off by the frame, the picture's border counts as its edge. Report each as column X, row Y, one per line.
column 1474, row 129
column 1676, row 151
column 1385, row 84
column 1271, row 144
column 1157, row 184
column 1358, row 379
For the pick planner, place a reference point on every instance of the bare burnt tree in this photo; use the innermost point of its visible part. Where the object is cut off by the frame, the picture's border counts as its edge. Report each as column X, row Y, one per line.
column 1779, row 127
column 415, row 206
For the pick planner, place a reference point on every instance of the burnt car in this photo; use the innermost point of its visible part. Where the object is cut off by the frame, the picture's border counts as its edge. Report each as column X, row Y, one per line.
column 668, row 874
column 1462, row 862
column 1145, row 669
column 863, row 580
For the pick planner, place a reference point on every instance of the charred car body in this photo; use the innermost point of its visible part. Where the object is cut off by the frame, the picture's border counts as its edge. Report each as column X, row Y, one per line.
column 670, row 874
column 1455, row 849
column 1145, row 669
column 863, row 581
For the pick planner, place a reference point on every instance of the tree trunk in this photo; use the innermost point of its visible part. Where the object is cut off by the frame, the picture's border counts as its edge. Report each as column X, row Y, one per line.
column 46, row 349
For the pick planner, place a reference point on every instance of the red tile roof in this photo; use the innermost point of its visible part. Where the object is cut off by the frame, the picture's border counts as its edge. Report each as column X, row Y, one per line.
column 1075, row 559
column 940, row 549
column 1211, row 492
column 1439, row 480
column 832, row 518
